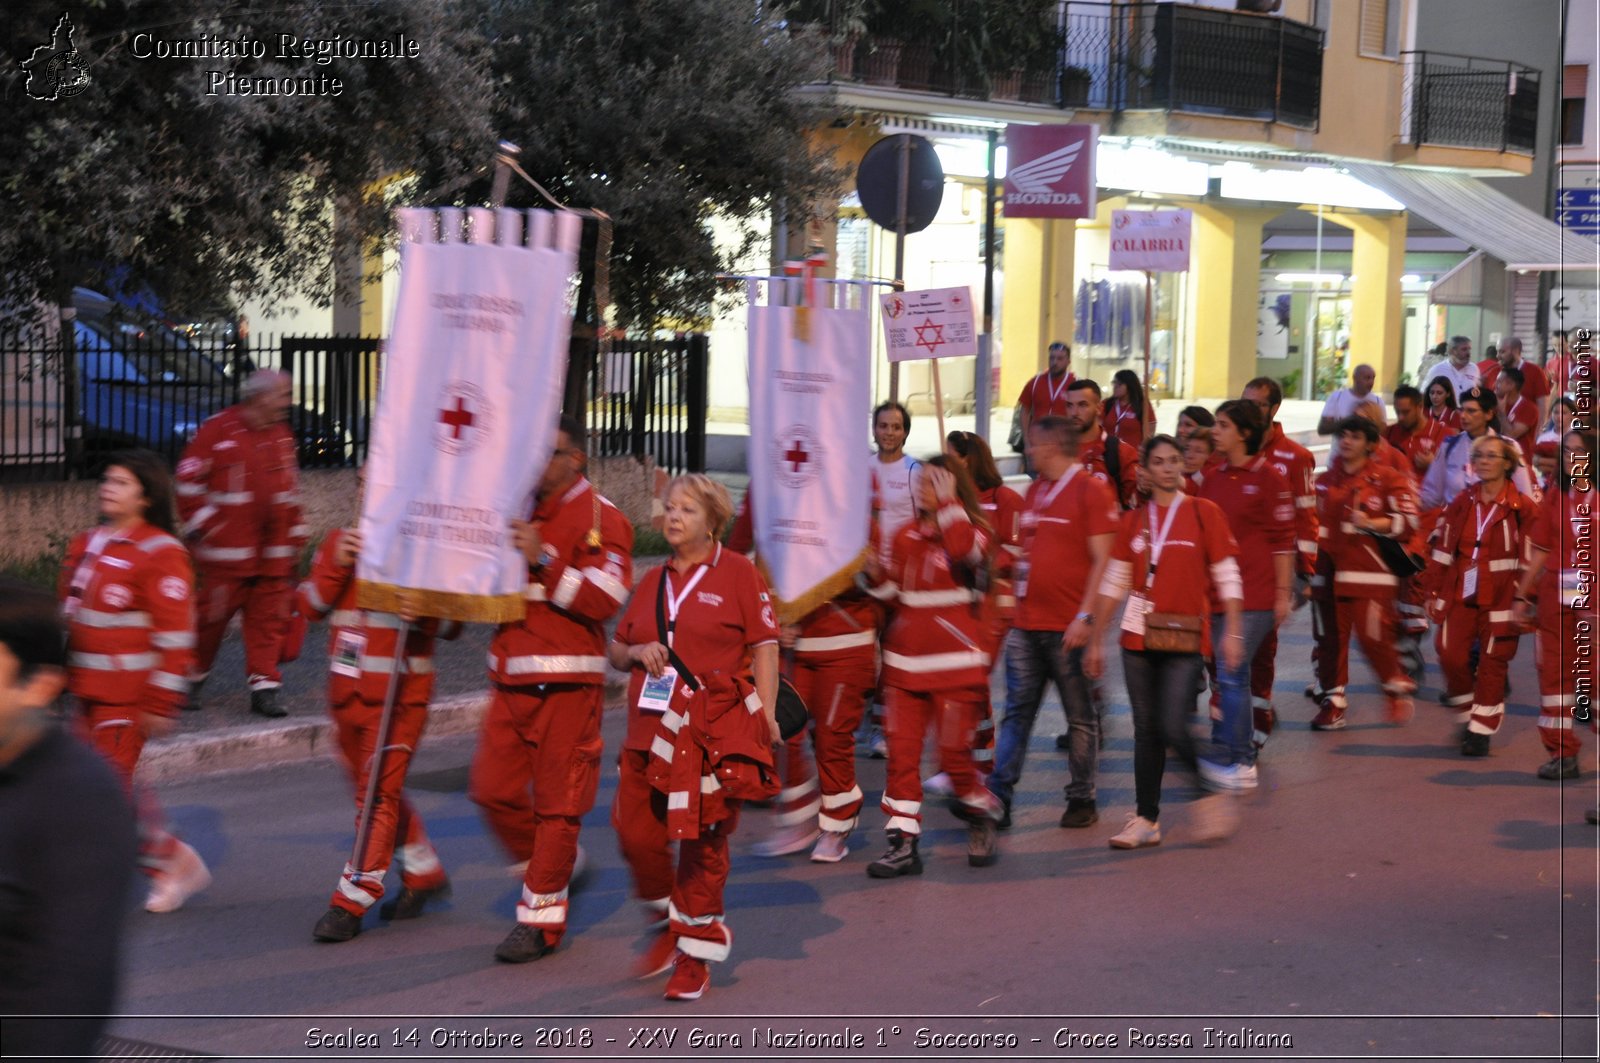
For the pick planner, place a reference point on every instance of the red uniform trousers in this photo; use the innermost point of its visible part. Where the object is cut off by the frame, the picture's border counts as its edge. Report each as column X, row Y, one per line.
column 1559, row 669
column 265, row 601
column 396, row 830
column 117, row 734
column 992, row 639
column 798, row 802
column 1375, row 626
column 535, row 776
column 1263, row 674
column 691, row 895
column 836, row 693
column 953, row 714
column 1479, row 697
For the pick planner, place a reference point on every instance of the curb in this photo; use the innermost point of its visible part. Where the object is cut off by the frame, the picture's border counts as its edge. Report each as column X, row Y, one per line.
column 246, row 748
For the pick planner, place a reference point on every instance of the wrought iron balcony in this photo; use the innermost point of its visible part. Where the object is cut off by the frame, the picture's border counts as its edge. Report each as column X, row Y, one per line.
column 1459, row 101
column 1199, row 60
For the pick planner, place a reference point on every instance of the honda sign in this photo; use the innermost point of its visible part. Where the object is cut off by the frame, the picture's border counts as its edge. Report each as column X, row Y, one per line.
column 1050, row 171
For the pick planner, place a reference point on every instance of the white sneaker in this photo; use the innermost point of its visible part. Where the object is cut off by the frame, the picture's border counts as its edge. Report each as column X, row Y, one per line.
column 1213, row 776
column 832, row 846
column 785, row 840
column 938, row 785
column 182, row 877
column 1140, row 833
column 877, row 745
column 1244, row 777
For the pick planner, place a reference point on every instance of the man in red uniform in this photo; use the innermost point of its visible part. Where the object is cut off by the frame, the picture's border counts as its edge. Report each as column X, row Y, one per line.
column 1045, row 395
column 238, row 499
column 1519, row 412
column 1118, row 466
column 1295, row 464
column 538, row 762
column 362, row 650
column 1535, row 384
column 1353, row 590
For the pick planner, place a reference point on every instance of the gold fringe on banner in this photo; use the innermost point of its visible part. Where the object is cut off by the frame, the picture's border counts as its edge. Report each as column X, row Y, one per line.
column 791, row 612
column 442, row 605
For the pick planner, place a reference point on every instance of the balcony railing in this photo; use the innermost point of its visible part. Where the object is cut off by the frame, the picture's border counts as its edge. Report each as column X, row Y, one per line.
column 1176, row 57
column 1460, row 101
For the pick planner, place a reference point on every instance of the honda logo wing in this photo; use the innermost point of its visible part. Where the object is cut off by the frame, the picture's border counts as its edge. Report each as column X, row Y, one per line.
column 1038, row 175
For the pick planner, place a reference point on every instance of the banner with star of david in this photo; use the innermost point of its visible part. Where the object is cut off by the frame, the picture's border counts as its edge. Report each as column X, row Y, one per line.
column 467, row 413
column 810, row 408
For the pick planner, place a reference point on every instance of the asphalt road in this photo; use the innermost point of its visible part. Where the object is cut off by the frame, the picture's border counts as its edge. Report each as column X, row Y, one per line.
column 1384, row 898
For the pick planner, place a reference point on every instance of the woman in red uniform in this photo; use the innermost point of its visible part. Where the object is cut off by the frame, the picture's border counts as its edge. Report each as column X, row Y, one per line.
column 1128, row 415
column 1561, row 574
column 1470, row 580
column 935, row 666
column 1002, row 508
column 1179, row 561
column 706, row 612
column 127, row 590
column 1442, row 404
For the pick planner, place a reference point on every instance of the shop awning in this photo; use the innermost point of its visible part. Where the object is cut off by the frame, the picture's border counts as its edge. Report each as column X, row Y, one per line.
column 1488, row 220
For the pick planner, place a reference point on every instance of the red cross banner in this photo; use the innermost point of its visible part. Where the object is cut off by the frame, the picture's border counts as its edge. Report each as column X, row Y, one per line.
column 467, row 413
column 810, row 405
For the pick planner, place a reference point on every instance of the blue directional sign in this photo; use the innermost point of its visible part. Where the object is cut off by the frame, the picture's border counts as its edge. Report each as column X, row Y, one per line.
column 1579, row 219
column 1578, row 197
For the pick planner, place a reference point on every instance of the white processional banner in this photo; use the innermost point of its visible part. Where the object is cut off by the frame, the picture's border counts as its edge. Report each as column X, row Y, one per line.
column 810, row 401
column 467, row 413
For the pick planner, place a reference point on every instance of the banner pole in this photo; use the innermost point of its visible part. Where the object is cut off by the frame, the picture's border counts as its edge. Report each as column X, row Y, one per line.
column 385, row 725
column 938, row 400
column 900, row 246
column 1149, row 400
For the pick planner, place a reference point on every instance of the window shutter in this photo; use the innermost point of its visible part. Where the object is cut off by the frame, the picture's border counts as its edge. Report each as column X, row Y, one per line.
column 1575, row 81
column 1375, row 27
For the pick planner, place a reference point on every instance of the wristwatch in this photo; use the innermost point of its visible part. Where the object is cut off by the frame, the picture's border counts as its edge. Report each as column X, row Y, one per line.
column 1087, row 618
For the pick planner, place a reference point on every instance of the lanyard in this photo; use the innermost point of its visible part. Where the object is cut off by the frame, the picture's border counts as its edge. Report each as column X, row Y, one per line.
column 1483, row 522
column 1159, row 540
column 1055, row 390
column 674, row 602
column 84, row 573
column 1047, row 498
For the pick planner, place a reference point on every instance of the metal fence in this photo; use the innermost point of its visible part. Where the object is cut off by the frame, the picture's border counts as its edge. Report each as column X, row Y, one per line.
column 61, row 416
column 1174, row 57
column 649, row 397
column 1465, row 102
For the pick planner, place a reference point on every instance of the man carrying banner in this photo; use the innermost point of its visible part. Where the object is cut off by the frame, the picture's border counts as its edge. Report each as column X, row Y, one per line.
column 538, row 761
column 239, row 504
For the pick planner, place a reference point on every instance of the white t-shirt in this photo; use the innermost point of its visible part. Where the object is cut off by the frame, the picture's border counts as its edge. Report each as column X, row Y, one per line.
column 1463, row 380
column 897, row 504
column 1343, row 403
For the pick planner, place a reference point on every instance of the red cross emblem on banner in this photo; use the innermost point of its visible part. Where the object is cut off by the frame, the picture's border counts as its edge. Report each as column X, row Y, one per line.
column 796, row 456
column 457, row 419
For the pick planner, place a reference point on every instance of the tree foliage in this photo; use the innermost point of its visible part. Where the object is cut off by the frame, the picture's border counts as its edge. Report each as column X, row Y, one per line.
column 209, row 196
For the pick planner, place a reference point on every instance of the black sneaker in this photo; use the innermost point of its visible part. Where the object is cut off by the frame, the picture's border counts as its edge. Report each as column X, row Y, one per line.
column 1064, row 742
column 410, row 903
column 336, row 924
column 1559, row 768
column 981, row 851
column 192, row 702
column 1474, row 745
column 1004, row 822
column 1080, row 813
column 901, row 859
column 523, row 944
column 265, row 703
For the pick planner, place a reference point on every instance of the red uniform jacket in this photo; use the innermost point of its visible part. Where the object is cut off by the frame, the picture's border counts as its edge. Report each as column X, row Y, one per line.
column 1383, row 494
column 362, row 642
column 935, row 641
column 1295, row 464
column 130, row 618
column 588, row 571
column 1002, row 507
column 1446, row 416
column 1260, row 512
column 238, row 498
column 710, row 748
column 1422, row 443
column 1499, row 552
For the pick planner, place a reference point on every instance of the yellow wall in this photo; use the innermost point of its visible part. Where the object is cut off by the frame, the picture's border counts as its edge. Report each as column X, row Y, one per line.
column 1377, row 260
column 1360, row 114
column 1038, row 297
column 1225, row 279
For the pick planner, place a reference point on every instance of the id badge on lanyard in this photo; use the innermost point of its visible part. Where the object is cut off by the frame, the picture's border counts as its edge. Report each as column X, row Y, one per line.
column 656, row 695
column 1469, row 578
column 348, row 647
column 1140, row 601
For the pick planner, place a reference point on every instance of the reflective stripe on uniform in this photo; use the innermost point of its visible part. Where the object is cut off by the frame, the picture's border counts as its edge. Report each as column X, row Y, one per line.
column 1366, row 579
column 614, row 587
column 172, row 640
column 937, row 599
column 567, row 588
column 167, row 681
column 534, row 592
column 99, row 618
column 414, row 665
column 1504, row 564
column 824, row 643
column 114, row 662
column 279, row 551
column 225, row 553
column 232, row 498
column 936, row 662
column 547, row 664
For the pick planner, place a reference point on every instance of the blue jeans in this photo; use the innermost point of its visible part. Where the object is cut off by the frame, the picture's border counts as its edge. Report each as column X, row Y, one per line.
column 1231, row 735
column 1032, row 659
